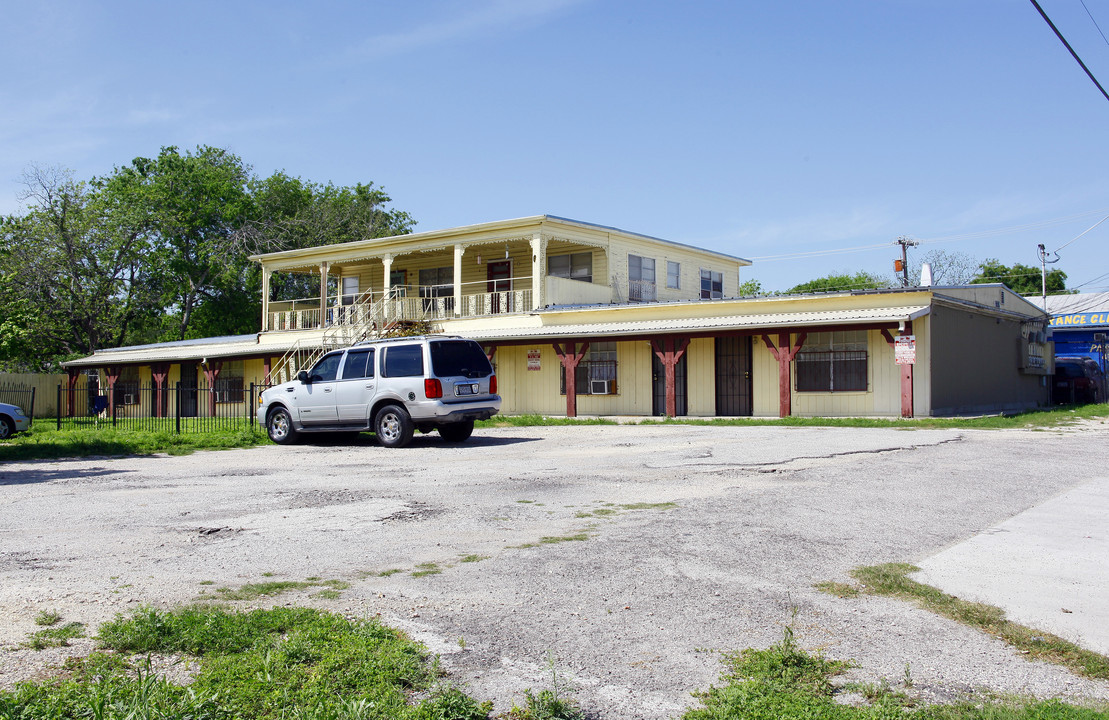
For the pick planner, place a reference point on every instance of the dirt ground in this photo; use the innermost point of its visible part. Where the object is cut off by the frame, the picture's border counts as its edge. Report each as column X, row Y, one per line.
column 629, row 557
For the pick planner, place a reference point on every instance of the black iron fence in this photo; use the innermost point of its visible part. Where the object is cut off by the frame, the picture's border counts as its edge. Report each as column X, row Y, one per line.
column 21, row 395
column 172, row 407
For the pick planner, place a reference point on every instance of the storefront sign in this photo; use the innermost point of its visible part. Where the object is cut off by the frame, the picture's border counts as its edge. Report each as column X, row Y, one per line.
column 1080, row 319
column 533, row 359
column 904, row 349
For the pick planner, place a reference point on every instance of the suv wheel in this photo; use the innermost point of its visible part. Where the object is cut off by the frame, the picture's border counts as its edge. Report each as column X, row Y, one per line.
column 6, row 428
column 393, row 426
column 279, row 425
column 457, row 432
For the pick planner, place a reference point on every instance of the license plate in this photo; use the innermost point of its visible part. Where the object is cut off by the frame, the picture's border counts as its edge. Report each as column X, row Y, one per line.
column 466, row 389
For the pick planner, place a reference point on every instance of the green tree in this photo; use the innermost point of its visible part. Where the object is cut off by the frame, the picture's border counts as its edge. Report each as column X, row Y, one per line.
column 1021, row 279
column 839, row 282
column 75, row 275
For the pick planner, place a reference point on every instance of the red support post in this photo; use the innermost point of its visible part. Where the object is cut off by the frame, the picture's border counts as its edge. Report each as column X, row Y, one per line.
column 669, row 350
column 211, row 374
column 158, row 373
column 784, row 353
column 907, row 408
column 570, row 359
column 266, row 370
column 72, row 375
column 112, row 373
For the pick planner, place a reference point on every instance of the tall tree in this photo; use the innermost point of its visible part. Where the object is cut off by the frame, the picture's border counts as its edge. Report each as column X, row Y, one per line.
column 837, row 282
column 195, row 206
column 948, row 268
column 77, row 279
column 1021, row 279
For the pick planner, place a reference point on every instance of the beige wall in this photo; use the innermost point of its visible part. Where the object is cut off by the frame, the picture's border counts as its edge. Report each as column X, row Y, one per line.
column 975, row 362
column 46, row 391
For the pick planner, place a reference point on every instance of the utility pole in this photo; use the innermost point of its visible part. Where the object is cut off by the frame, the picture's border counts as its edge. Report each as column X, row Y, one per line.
column 1043, row 272
column 905, row 244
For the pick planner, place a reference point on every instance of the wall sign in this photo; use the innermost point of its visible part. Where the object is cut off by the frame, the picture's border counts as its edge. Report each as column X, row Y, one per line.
column 904, row 349
column 534, row 359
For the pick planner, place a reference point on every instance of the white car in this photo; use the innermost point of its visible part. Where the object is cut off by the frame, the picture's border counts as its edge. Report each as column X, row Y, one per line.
column 12, row 420
column 391, row 387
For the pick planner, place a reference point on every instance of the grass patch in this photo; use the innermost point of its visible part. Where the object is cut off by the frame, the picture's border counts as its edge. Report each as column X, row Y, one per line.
column 551, row 539
column 328, row 595
column 892, row 580
column 1032, row 419
column 55, row 636
column 473, row 558
column 426, row 568
column 843, row 590
column 784, row 682
column 390, row 571
column 45, row 442
column 278, row 663
column 47, row 618
column 253, row 591
column 649, row 506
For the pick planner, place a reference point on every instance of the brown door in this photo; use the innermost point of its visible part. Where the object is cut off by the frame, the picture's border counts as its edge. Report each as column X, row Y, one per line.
column 499, row 276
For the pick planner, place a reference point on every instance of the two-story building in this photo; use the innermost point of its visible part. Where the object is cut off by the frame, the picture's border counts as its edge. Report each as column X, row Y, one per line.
column 586, row 319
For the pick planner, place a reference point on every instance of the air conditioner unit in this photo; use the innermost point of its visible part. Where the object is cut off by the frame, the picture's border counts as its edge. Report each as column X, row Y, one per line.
column 221, row 396
column 128, row 399
column 599, row 387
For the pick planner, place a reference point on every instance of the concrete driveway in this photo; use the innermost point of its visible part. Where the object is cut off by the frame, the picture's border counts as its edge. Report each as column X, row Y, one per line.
column 630, row 555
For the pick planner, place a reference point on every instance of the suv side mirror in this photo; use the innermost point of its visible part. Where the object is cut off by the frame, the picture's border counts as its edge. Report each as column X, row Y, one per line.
column 303, row 377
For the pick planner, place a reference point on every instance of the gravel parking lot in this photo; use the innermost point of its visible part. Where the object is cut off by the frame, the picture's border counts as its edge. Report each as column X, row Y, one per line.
column 631, row 555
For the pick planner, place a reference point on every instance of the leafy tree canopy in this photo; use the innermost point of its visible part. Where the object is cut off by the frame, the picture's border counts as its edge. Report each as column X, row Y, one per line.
column 1021, row 279
column 158, row 250
column 839, row 282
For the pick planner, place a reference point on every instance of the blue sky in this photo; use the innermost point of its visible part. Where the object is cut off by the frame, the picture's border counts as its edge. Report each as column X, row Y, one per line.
column 755, row 129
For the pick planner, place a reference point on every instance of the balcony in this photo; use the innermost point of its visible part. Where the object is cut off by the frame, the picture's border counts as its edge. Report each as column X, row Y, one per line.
column 400, row 303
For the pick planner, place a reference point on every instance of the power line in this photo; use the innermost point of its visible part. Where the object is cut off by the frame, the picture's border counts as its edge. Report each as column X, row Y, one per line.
column 1069, row 48
column 1094, row 21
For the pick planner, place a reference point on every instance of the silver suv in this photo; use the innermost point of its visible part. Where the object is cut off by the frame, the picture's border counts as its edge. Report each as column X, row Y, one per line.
column 392, row 387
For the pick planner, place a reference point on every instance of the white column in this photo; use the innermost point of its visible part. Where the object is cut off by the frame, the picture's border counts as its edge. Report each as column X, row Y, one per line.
column 266, row 274
column 323, row 292
column 459, row 251
column 387, row 268
column 538, row 260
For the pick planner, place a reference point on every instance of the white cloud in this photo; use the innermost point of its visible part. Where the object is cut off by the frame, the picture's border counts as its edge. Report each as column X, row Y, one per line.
column 488, row 17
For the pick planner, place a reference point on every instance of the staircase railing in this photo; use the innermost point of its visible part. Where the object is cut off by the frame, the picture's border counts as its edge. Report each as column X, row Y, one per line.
column 348, row 324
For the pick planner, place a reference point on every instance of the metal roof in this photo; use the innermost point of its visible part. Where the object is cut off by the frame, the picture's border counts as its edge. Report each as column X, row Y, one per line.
column 208, row 348
column 708, row 324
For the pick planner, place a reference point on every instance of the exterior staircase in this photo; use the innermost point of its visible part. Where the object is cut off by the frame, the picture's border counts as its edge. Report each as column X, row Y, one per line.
column 362, row 320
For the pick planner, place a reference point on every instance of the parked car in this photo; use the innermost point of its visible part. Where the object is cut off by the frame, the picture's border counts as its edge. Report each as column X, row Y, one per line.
column 1077, row 380
column 12, row 420
column 392, row 387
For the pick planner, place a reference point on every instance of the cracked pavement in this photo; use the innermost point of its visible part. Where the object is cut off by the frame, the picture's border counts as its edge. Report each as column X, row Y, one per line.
column 697, row 540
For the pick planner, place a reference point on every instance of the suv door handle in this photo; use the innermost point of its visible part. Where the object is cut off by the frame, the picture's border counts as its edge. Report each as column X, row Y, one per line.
column 327, row 389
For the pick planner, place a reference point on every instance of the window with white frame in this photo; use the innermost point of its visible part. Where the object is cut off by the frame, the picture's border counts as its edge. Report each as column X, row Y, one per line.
column 673, row 275
column 712, row 285
column 641, row 278
column 596, row 373
column 350, row 289
column 573, row 266
column 398, row 281
column 833, row 362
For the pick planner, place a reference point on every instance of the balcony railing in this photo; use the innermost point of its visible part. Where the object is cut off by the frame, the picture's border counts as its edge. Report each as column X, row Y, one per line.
column 400, row 303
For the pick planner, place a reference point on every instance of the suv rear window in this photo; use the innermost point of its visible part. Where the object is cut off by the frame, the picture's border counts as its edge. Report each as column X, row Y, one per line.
column 459, row 357
column 403, row 361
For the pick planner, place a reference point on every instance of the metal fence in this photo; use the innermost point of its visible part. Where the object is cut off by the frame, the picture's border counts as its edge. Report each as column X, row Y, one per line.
column 178, row 408
column 21, row 395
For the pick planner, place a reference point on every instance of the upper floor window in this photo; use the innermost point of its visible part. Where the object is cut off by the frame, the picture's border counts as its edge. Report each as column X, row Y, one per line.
column 833, row 362
column 641, row 278
column 712, row 285
column 437, row 282
column 350, row 289
column 575, row 266
column 673, row 275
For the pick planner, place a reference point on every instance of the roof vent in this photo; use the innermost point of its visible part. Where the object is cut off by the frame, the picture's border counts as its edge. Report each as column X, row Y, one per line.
column 925, row 275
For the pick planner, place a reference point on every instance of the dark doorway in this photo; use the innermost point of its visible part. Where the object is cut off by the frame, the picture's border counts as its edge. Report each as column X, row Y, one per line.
column 188, row 392
column 733, row 376
column 499, row 276
column 658, row 387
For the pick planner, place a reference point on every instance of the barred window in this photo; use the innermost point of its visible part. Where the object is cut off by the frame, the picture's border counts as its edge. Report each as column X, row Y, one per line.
column 229, row 384
column 833, row 362
column 598, row 365
column 127, row 386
